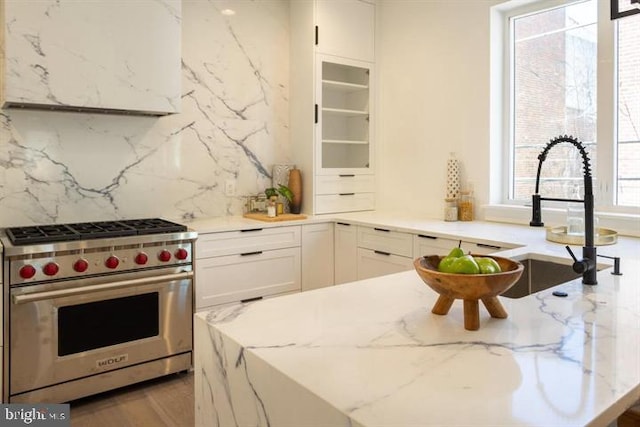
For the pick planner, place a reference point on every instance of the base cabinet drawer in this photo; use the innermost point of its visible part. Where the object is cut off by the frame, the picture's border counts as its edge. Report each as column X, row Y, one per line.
column 424, row 244
column 373, row 264
column 385, row 240
column 249, row 240
column 233, row 278
column 344, row 202
column 480, row 248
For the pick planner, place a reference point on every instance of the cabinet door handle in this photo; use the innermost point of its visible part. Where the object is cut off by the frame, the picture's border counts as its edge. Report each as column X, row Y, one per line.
column 343, row 223
column 251, row 253
column 484, row 245
column 347, row 194
column 251, row 229
column 317, row 35
column 251, row 299
column 346, row 175
column 424, row 236
column 382, row 253
column 315, row 114
column 382, row 229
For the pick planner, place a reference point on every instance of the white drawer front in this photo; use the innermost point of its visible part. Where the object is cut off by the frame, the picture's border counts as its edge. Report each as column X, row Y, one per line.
column 384, row 240
column 424, row 244
column 336, row 184
column 350, row 202
column 481, row 248
column 374, row 264
column 235, row 278
column 238, row 242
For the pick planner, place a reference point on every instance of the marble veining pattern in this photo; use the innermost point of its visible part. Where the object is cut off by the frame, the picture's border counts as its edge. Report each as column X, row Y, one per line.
column 66, row 167
column 372, row 354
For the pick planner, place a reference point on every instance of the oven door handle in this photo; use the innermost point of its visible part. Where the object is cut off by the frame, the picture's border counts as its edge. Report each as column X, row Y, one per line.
column 47, row 295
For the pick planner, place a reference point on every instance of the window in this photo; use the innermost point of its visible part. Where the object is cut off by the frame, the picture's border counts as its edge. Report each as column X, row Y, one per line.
column 561, row 83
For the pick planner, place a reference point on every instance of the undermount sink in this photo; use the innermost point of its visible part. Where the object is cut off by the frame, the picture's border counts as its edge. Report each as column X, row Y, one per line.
column 542, row 272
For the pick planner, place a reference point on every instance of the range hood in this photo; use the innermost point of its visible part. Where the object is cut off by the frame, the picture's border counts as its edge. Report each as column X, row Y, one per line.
column 97, row 57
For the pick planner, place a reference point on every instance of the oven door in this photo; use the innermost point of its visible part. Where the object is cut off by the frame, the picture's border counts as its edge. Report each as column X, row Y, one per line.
column 64, row 331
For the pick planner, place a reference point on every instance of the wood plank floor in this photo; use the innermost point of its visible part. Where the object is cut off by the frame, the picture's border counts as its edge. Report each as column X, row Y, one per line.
column 166, row 401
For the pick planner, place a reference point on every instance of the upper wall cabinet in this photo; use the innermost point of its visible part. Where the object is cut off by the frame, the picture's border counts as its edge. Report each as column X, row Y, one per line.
column 92, row 55
column 345, row 28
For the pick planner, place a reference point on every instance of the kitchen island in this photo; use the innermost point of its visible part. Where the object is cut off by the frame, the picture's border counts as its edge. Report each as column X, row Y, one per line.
column 371, row 353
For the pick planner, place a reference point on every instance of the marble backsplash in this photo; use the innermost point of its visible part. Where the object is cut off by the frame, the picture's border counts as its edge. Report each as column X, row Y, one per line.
column 60, row 167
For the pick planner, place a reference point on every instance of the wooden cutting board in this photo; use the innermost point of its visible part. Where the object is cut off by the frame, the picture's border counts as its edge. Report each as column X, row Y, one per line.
column 282, row 217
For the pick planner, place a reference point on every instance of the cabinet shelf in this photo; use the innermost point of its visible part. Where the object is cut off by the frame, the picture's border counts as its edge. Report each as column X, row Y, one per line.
column 344, row 141
column 345, row 112
column 344, row 86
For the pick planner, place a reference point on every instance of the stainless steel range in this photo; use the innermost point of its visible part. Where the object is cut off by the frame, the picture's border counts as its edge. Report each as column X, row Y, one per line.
column 90, row 307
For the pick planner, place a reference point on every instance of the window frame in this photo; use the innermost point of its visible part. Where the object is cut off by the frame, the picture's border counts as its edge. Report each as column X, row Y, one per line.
column 606, row 87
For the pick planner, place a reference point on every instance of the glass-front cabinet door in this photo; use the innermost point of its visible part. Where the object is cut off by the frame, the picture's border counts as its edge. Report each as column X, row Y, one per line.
column 343, row 117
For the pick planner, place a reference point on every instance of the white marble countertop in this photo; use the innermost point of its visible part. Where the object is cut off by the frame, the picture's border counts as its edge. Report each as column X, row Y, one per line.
column 371, row 353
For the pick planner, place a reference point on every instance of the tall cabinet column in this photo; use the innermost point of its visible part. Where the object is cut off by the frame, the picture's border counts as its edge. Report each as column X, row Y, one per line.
column 332, row 103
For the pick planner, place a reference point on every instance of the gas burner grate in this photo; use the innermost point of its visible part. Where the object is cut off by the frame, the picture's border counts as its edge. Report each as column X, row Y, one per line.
column 42, row 234
column 154, row 226
column 91, row 230
column 99, row 230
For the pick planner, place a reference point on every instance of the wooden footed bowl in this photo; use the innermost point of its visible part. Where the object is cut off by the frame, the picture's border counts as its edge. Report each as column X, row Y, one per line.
column 469, row 287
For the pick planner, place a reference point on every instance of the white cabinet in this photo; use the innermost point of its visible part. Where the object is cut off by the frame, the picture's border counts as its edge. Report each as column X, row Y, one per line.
column 346, row 28
column 93, row 55
column 383, row 251
column 346, row 252
column 332, row 104
column 317, row 256
column 344, row 136
column 249, row 264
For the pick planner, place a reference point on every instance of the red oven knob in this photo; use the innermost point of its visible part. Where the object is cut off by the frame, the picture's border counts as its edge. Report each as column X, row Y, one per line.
column 182, row 253
column 81, row 265
column 164, row 255
column 141, row 258
column 112, row 262
column 50, row 269
column 27, row 271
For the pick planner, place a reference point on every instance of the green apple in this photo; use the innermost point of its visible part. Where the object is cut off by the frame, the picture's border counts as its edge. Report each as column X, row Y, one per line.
column 488, row 265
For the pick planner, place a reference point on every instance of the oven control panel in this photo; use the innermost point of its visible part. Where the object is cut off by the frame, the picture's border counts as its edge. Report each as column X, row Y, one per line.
column 90, row 262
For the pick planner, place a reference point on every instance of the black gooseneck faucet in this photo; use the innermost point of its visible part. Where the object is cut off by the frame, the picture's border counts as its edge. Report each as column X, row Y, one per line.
column 587, row 265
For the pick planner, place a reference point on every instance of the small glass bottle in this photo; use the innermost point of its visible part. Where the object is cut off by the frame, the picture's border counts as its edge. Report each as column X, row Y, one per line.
column 575, row 215
column 451, row 209
column 271, row 207
column 465, row 206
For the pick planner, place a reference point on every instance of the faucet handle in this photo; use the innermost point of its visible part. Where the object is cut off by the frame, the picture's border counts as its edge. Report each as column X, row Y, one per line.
column 579, row 266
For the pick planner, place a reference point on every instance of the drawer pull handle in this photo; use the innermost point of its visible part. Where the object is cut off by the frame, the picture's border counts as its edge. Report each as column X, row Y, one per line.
column 343, row 223
column 382, row 253
column 347, row 176
column 251, row 299
column 424, row 236
column 251, row 253
column 484, row 245
column 251, row 229
column 382, row 229
column 347, row 194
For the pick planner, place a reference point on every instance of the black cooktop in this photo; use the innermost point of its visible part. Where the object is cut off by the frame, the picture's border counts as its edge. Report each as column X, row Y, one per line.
column 91, row 230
